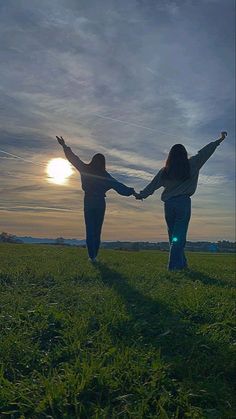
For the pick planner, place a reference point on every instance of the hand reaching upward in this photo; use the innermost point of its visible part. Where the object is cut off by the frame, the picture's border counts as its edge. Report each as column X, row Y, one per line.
column 61, row 141
column 223, row 135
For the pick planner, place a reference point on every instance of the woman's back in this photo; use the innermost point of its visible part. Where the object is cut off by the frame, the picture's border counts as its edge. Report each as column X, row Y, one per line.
column 175, row 187
column 93, row 183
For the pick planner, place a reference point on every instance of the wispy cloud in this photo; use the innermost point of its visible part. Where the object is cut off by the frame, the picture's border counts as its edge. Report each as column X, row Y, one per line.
column 212, row 180
column 25, row 208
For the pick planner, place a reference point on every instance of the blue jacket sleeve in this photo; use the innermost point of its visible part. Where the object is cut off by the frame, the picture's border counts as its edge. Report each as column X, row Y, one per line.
column 120, row 188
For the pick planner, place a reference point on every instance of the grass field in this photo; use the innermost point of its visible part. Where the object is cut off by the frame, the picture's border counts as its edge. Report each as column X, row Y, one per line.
column 123, row 339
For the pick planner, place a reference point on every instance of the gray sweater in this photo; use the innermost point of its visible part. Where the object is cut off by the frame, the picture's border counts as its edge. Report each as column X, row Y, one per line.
column 177, row 187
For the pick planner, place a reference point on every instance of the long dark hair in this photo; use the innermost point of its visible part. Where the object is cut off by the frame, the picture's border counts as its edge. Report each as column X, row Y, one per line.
column 98, row 164
column 177, row 165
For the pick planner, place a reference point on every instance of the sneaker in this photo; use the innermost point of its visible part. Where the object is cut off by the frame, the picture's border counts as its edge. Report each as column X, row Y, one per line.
column 92, row 260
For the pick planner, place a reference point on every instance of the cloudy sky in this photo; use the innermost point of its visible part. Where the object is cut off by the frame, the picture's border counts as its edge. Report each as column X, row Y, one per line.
column 125, row 78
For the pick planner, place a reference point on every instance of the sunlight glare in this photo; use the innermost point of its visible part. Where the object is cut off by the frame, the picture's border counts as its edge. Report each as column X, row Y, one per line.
column 59, row 170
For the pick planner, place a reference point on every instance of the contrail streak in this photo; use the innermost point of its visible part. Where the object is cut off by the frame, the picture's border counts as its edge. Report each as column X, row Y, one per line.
column 124, row 122
column 21, row 158
column 15, row 207
column 132, row 124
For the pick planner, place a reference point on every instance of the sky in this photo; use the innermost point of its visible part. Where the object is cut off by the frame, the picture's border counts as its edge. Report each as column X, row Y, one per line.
column 125, row 78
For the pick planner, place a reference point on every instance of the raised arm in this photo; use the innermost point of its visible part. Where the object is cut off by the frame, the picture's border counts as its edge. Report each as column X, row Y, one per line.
column 73, row 159
column 206, row 152
column 155, row 184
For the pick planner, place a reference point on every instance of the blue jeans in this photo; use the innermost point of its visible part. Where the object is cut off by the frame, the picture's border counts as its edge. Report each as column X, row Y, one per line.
column 177, row 215
column 94, row 211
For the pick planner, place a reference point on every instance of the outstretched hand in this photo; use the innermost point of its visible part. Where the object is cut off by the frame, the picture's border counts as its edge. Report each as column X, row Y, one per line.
column 223, row 135
column 60, row 140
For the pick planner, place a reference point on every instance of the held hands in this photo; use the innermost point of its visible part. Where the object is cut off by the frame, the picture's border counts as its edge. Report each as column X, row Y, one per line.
column 61, row 141
column 137, row 196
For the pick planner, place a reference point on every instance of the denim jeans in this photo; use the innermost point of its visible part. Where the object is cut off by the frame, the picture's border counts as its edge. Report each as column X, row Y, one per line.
column 94, row 211
column 177, row 215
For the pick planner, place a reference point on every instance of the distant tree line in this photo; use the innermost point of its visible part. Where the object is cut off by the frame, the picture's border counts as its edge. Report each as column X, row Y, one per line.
column 220, row 246
column 60, row 241
column 9, row 238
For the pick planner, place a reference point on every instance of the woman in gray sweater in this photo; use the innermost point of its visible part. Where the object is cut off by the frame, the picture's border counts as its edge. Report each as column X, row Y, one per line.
column 179, row 178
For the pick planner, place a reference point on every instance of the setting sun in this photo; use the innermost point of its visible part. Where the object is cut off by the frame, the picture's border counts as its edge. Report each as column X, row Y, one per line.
column 59, row 170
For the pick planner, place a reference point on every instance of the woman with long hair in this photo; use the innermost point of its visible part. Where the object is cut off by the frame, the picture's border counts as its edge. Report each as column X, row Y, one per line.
column 179, row 177
column 96, row 181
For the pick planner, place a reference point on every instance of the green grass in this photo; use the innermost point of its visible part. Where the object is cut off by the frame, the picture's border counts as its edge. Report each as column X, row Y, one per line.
column 123, row 339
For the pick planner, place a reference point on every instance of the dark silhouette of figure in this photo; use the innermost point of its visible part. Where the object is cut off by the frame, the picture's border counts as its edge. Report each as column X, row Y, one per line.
column 179, row 178
column 96, row 181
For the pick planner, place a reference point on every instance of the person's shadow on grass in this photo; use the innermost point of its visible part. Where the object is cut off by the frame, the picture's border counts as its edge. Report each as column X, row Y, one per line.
column 189, row 353
column 208, row 280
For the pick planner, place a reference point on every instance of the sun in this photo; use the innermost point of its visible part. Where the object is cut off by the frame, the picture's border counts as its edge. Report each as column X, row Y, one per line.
column 59, row 170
